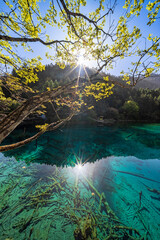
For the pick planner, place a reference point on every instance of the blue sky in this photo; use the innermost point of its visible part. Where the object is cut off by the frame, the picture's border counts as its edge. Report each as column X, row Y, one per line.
column 55, row 33
column 140, row 22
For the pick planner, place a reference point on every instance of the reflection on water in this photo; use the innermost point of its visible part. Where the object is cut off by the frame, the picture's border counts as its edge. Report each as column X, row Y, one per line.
column 92, row 183
column 63, row 146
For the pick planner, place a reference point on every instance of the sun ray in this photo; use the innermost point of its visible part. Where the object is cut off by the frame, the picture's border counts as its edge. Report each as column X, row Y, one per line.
column 79, row 73
column 88, row 159
column 71, row 71
column 86, row 73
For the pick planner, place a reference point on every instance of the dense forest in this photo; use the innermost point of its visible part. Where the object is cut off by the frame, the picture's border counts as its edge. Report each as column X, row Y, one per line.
column 139, row 103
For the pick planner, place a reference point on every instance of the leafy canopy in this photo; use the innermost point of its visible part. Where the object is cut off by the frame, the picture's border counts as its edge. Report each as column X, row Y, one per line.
column 25, row 23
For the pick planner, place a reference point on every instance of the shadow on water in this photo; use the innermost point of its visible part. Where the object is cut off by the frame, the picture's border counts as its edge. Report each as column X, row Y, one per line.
column 82, row 183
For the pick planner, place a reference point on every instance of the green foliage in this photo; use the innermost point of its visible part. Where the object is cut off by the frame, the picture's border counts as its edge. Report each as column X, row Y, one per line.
column 25, row 23
column 131, row 109
column 42, row 127
column 8, row 104
column 148, row 102
column 99, row 90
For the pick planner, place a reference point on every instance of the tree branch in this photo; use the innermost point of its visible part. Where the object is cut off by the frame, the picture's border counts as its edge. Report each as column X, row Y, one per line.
column 25, row 39
column 69, row 13
column 28, row 140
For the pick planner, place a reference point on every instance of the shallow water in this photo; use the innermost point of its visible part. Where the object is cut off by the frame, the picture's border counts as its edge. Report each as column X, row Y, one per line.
column 82, row 182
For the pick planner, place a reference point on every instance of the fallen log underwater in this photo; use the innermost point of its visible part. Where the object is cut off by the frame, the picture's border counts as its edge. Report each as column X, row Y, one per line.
column 136, row 175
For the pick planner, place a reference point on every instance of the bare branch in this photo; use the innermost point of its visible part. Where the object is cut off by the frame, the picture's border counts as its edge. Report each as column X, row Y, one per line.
column 28, row 140
column 25, row 39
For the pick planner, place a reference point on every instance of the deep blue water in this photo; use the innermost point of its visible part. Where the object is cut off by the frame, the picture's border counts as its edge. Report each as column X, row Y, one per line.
column 58, row 187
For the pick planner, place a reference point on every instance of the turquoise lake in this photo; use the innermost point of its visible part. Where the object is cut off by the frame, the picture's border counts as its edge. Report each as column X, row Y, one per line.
column 82, row 182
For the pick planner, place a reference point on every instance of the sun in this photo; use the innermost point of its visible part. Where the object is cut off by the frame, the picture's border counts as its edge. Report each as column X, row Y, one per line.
column 79, row 165
column 82, row 58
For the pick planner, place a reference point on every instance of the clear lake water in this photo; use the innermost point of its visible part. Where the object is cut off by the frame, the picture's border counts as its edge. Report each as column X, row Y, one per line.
column 82, row 182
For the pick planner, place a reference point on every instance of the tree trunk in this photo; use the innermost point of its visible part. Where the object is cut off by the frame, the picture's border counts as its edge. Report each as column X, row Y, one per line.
column 12, row 120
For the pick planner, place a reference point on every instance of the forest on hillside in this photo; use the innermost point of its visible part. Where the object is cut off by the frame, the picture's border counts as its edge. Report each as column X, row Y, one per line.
column 139, row 103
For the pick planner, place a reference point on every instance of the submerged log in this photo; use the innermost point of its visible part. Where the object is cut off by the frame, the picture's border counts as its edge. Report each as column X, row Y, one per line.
column 136, row 175
column 102, row 199
column 153, row 190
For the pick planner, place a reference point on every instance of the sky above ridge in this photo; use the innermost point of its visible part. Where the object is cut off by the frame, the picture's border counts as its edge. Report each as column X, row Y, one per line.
column 57, row 34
